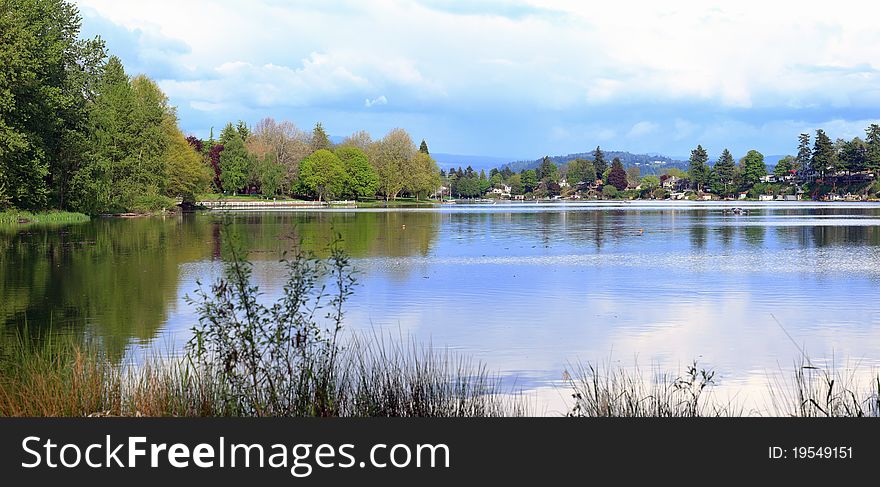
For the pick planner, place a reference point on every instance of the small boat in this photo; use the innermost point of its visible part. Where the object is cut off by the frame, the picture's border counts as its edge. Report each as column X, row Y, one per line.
column 736, row 211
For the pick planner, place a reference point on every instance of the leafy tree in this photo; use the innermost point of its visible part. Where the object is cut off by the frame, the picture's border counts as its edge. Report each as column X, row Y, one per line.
column 529, row 180
column 725, row 172
column 581, row 171
column 823, row 157
column 649, row 184
column 423, row 147
column 599, row 161
column 322, row 174
column 516, row 185
column 698, row 171
column 361, row 179
column 47, row 76
column 187, row 174
column 753, row 168
column 320, row 140
column 784, row 167
column 235, row 162
column 617, row 176
column 425, row 176
column 610, row 191
column 392, row 157
column 268, row 174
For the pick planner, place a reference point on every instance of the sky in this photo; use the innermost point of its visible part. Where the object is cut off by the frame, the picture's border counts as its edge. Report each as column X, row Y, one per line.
column 513, row 79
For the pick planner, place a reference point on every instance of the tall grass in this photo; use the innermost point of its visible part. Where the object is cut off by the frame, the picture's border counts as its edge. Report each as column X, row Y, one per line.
column 26, row 217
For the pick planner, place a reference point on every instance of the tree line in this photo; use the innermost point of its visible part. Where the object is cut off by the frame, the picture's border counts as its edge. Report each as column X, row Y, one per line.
column 79, row 133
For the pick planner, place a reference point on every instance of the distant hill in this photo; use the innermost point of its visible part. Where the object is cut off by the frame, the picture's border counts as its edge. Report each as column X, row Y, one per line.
column 449, row 161
column 647, row 163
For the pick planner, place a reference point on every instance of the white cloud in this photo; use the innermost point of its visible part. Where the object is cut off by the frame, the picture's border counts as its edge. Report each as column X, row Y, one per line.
column 607, row 66
column 379, row 100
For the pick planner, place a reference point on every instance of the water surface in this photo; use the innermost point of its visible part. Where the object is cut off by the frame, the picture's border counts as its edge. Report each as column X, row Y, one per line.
column 526, row 288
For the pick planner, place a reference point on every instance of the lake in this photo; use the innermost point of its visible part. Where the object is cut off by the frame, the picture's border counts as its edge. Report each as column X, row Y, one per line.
column 528, row 289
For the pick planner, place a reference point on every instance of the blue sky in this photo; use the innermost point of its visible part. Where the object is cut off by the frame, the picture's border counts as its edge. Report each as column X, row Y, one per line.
column 513, row 79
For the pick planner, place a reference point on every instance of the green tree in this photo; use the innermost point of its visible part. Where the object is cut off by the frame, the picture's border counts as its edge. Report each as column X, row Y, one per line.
column 529, row 180
column 581, row 171
column 873, row 147
column 235, row 161
column 47, row 76
column 425, row 176
column 853, row 155
column 725, row 172
column 753, row 168
column 322, row 174
column 823, row 157
column 392, row 156
column 784, row 166
column 599, row 161
column 804, row 155
column 361, row 179
column 617, row 176
column 320, row 140
column 547, row 171
column 516, row 184
column 423, row 147
column 698, row 171
column 187, row 174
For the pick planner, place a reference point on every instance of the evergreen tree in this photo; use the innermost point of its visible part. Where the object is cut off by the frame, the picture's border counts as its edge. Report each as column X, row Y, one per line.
column 320, row 140
column 235, row 163
column 423, row 147
column 725, row 172
column 804, row 155
column 784, row 167
column 872, row 142
column 698, row 171
column 823, row 156
column 599, row 161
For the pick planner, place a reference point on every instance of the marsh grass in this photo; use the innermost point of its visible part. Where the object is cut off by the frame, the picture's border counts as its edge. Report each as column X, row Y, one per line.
column 19, row 217
column 372, row 378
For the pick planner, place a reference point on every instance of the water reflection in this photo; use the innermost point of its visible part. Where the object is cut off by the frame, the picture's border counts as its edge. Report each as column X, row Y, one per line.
column 527, row 289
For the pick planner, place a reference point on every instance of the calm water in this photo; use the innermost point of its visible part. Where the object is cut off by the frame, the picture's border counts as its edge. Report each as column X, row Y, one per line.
column 528, row 289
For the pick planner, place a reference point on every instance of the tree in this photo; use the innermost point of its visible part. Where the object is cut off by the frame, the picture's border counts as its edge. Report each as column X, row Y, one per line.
column 47, row 76
column 516, row 185
column 268, row 174
column 599, row 161
column 853, row 155
column 360, row 139
column 617, row 176
column 784, row 167
column 187, row 174
column 698, row 171
column 823, row 156
column 804, row 155
column 235, row 162
column 529, row 180
column 361, row 179
column 725, row 172
column 423, row 147
column 425, row 176
column 392, row 157
column 649, row 184
column 320, row 140
column 753, row 168
column 546, row 172
column 633, row 175
column 285, row 145
column 581, row 171
column 322, row 174
column 873, row 147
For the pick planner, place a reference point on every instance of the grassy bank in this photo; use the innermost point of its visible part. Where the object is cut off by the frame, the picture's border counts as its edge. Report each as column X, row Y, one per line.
column 19, row 217
column 371, row 378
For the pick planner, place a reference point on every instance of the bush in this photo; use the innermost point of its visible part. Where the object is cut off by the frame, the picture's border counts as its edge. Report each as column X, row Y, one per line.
column 150, row 203
column 609, row 192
